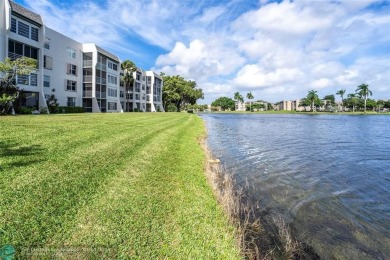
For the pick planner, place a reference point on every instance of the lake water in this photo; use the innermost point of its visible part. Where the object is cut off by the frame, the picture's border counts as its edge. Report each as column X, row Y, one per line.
column 328, row 176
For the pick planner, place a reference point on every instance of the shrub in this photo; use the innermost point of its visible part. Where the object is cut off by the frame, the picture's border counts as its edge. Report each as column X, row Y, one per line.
column 70, row 110
column 171, row 108
column 26, row 110
column 43, row 110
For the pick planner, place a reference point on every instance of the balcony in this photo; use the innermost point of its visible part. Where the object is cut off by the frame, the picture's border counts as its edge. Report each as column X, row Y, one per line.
column 87, row 94
column 14, row 56
column 87, row 63
column 101, row 81
column 87, row 79
column 101, row 67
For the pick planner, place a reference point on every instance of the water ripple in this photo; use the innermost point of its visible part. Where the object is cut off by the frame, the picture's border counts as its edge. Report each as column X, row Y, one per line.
column 328, row 176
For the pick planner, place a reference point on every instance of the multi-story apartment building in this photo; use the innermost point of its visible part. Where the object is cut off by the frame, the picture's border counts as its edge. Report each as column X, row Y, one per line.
column 154, row 85
column 83, row 75
column 240, row 106
column 101, row 78
column 291, row 105
column 145, row 94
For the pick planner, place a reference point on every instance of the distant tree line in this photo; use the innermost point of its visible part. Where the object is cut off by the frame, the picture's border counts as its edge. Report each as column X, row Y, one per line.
column 357, row 101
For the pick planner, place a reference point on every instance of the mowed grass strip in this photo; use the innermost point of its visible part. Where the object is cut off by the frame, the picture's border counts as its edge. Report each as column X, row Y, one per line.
column 119, row 185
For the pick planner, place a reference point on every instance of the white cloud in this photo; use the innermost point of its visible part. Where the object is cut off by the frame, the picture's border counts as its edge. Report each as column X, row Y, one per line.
column 209, row 15
column 200, row 60
column 254, row 76
column 286, row 18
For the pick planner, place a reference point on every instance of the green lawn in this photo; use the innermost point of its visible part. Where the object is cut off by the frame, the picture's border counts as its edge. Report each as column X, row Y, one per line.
column 110, row 185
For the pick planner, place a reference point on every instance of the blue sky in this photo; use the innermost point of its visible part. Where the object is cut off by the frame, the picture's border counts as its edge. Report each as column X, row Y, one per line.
column 276, row 49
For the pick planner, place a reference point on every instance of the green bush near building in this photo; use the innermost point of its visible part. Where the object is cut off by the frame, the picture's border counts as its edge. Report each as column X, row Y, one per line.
column 70, row 110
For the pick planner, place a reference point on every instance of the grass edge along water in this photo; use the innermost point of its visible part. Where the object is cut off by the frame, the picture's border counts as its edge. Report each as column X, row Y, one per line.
column 109, row 185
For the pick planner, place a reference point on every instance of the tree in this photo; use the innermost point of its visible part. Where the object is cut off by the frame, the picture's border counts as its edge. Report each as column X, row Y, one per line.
column 52, row 103
column 363, row 91
column 330, row 102
column 386, row 104
column 312, row 98
column 257, row 106
column 352, row 99
column 341, row 92
column 225, row 103
column 238, row 97
column 250, row 97
column 128, row 68
column 380, row 103
column 180, row 92
column 9, row 92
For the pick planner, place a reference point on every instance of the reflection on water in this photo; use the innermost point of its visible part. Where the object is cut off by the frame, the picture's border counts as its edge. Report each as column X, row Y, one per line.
column 327, row 175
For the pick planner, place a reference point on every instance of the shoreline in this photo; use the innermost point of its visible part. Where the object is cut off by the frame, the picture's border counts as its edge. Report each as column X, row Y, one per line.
column 286, row 112
column 252, row 233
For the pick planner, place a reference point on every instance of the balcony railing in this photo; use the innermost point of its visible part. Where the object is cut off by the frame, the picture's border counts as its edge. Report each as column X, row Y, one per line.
column 87, row 63
column 87, row 78
column 14, row 56
column 101, row 66
column 101, row 81
column 87, row 93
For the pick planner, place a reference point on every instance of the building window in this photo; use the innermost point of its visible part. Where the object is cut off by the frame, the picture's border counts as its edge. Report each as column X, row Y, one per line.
column 46, row 81
column 23, row 29
column 112, row 79
column 112, row 106
column 47, row 44
column 34, row 79
column 121, row 94
column 13, row 25
column 47, row 62
column 71, row 53
column 138, row 76
column 112, row 65
column 71, row 69
column 70, row 85
column 34, row 34
column 112, row 92
column 71, row 102
column 137, row 96
column 30, row 99
column 137, row 87
column 17, row 50
column 23, row 79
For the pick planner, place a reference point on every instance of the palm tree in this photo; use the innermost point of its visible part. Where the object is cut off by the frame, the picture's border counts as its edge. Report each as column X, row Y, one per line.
column 352, row 97
column 363, row 91
column 128, row 68
column 238, row 97
column 341, row 92
column 312, row 97
column 250, row 97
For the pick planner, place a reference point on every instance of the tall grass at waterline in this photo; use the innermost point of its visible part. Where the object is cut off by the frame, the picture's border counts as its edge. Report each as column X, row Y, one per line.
column 253, row 235
column 109, row 186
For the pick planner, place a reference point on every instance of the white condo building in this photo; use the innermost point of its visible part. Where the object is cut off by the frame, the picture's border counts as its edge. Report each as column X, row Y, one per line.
column 79, row 75
column 145, row 94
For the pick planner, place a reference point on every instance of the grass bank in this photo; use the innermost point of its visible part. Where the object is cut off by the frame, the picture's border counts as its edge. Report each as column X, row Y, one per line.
column 109, row 185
